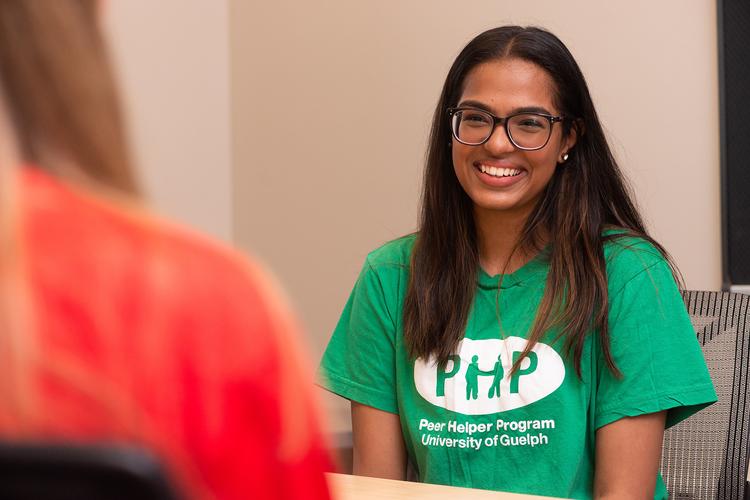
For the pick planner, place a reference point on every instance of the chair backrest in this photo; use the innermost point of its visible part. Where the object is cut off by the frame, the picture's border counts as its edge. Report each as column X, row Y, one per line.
column 706, row 455
column 31, row 471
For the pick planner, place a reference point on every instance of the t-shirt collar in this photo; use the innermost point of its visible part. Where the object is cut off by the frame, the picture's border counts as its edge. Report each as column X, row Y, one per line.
column 529, row 272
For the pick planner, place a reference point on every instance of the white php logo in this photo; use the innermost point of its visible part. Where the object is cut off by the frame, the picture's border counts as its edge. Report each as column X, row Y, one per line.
column 476, row 381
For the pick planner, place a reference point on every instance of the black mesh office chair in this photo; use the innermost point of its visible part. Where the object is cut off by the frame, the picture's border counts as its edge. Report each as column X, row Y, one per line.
column 706, row 456
column 31, row 471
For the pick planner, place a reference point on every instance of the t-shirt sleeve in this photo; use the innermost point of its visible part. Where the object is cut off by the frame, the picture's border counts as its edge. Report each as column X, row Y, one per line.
column 656, row 349
column 359, row 362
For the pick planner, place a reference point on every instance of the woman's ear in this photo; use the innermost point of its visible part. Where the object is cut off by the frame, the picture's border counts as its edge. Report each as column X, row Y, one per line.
column 567, row 144
column 579, row 126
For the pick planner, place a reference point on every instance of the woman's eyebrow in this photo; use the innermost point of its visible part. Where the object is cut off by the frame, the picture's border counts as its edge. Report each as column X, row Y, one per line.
column 522, row 109
column 475, row 104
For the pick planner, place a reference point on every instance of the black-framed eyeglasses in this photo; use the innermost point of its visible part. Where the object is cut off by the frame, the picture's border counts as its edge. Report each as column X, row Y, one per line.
column 527, row 131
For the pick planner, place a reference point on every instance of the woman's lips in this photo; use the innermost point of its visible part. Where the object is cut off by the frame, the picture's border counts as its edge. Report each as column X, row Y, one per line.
column 499, row 173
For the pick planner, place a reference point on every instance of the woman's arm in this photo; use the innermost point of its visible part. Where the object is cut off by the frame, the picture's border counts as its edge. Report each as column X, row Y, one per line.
column 628, row 452
column 379, row 449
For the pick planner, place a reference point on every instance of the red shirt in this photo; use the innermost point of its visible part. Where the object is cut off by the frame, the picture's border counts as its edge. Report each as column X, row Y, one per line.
column 146, row 332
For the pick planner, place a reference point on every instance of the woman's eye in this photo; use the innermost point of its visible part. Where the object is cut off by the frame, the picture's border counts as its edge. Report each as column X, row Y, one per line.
column 530, row 123
column 476, row 118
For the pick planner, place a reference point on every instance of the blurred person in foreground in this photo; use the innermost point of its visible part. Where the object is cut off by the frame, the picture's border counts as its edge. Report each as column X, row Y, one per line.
column 117, row 325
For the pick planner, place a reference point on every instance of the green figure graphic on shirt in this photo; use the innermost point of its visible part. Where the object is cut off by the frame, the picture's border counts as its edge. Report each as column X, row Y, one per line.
column 472, row 378
column 498, row 374
column 472, row 374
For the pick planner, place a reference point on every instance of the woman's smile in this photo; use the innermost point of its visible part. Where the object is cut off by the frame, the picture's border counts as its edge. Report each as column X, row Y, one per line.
column 499, row 173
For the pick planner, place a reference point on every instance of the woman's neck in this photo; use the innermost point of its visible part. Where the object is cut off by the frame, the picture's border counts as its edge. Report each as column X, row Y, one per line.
column 498, row 234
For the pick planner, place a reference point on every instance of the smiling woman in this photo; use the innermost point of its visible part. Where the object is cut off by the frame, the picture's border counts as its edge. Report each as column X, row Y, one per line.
column 530, row 292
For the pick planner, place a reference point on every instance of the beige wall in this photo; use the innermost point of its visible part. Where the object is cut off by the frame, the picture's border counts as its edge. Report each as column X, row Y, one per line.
column 322, row 175
column 173, row 62
column 302, row 164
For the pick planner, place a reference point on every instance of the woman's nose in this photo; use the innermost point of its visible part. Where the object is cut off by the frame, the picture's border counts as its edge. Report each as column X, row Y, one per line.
column 499, row 142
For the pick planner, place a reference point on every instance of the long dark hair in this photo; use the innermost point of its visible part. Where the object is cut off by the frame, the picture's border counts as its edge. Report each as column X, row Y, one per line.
column 584, row 197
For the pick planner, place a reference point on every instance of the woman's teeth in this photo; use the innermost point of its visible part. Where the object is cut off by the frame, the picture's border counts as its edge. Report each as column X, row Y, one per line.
column 499, row 172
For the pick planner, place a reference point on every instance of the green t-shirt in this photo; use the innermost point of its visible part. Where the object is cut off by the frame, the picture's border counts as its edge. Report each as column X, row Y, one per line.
column 469, row 424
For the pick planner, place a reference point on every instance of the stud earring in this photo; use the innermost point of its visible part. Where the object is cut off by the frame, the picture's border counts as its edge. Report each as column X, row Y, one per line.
column 565, row 157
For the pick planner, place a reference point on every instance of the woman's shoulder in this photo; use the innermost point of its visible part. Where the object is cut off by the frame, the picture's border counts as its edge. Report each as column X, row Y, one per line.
column 119, row 247
column 627, row 255
column 623, row 248
column 395, row 253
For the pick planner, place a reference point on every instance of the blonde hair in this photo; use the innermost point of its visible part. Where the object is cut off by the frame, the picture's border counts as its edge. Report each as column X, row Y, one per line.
column 60, row 91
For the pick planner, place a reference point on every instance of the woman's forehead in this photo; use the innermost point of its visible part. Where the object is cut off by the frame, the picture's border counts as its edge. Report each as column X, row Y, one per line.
column 509, row 83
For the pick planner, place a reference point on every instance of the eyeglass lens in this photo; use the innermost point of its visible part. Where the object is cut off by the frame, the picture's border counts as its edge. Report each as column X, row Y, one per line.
column 528, row 130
